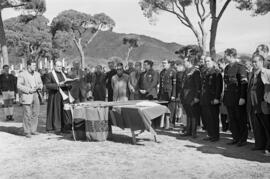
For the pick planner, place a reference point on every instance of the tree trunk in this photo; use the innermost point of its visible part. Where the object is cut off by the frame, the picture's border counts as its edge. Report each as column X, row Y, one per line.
column 3, row 41
column 128, row 54
column 212, row 44
column 80, row 49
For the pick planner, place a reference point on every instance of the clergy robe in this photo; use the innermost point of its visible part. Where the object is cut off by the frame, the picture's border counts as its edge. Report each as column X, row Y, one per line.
column 58, row 119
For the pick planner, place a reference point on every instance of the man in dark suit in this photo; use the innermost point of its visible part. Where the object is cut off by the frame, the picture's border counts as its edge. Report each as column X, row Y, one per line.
column 148, row 81
column 235, row 95
column 191, row 94
column 212, row 85
column 108, row 79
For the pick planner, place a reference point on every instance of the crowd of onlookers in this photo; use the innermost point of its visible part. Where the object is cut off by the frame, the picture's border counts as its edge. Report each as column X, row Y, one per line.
column 199, row 90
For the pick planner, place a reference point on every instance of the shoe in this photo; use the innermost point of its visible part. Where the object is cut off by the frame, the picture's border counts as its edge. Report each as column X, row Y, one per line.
column 28, row 135
column 232, row 142
column 214, row 139
column 34, row 133
column 194, row 136
column 267, row 153
column 207, row 138
column 7, row 118
column 11, row 118
column 240, row 144
column 57, row 132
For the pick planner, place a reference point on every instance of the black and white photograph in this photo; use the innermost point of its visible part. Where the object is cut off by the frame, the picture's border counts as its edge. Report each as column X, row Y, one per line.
column 134, row 89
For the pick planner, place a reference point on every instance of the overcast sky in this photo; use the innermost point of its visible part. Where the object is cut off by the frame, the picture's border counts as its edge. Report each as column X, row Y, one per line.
column 237, row 28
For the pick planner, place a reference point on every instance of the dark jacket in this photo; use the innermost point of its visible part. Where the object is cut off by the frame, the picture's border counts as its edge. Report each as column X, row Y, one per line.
column 8, row 82
column 235, row 79
column 191, row 85
column 148, row 81
column 168, row 82
column 212, row 85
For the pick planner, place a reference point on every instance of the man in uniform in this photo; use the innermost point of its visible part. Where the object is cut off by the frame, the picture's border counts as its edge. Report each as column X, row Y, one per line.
column 212, row 86
column 148, row 81
column 8, row 86
column 167, row 90
column 235, row 93
column 191, row 94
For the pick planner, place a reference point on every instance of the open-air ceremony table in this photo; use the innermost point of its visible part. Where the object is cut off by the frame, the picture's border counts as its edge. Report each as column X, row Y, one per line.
column 135, row 115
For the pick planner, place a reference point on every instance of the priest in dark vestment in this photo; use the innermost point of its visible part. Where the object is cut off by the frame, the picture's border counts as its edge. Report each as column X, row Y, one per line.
column 58, row 107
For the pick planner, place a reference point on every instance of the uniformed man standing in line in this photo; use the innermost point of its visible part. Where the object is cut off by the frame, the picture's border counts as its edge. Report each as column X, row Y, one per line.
column 235, row 93
column 212, row 85
column 148, row 81
column 191, row 94
column 167, row 90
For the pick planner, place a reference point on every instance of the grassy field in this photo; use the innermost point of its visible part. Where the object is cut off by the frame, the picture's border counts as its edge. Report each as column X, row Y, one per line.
column 52, row 156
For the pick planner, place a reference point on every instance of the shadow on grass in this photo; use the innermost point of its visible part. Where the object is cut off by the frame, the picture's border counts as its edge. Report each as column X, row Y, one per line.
column 220, row 147
column 12, row 130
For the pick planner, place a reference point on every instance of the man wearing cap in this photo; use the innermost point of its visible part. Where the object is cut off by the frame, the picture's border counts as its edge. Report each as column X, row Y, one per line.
column 167, row 90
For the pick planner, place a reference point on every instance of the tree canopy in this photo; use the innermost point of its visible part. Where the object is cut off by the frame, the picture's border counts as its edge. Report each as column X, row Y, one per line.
column 204, row 10
column 29, row 39
column 79, row 27
column 31, row 8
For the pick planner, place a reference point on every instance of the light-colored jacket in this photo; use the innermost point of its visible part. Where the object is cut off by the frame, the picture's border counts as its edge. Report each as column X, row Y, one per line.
column 25, row 83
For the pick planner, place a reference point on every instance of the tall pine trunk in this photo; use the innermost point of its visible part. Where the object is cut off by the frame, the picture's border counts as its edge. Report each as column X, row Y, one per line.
column 80, row 49
column 212, row 44
column 3, row 41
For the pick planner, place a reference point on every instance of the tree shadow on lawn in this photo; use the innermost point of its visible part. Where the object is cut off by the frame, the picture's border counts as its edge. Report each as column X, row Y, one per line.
column 221, row 147
column 19, row 130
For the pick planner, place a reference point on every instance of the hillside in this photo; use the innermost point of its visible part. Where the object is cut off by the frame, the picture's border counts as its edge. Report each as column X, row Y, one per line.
column 109, row 44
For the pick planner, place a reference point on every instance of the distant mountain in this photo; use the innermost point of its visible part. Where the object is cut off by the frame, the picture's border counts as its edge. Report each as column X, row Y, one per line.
column 109, row 44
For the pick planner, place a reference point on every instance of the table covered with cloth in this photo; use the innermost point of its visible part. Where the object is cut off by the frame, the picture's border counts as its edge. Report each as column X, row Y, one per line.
column 91, row 123
column 137, row 117
column 92, row 118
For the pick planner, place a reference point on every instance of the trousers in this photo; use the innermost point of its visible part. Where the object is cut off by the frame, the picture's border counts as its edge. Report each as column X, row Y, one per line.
column 30, row 115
